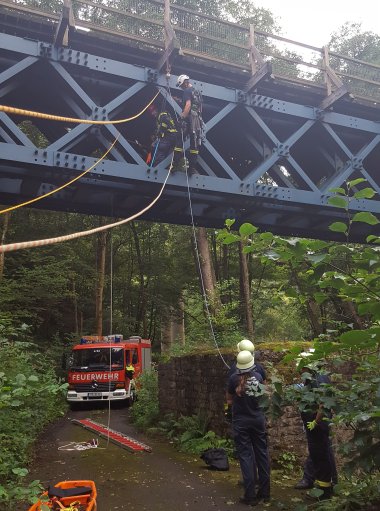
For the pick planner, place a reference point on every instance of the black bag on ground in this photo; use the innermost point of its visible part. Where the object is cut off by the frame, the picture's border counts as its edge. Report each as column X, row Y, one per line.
column 216, row 459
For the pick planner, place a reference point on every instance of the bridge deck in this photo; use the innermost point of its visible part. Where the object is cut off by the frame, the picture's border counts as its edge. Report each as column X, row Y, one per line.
column 272, row 152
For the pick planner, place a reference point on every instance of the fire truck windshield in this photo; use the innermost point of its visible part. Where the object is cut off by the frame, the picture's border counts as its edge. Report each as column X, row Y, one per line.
column 97, row 358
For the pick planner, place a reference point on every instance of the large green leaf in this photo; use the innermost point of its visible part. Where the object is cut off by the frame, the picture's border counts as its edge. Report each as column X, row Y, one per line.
column 339, row 202
column 366, row 193
column 230, row 238
column 362, row 338
column 338, row 227
column 247, row 229
column 320, row 297
column 355, row 182
column 372, row 237
column 291, row 292
column 317, row 258
column 341, row 191
column 365, row 217
column 267, row 236
column 372, row 308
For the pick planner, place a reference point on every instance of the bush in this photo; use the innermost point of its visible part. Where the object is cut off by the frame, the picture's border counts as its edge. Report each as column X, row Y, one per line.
column 30, row 397
column 191, row 434
column 145, row 411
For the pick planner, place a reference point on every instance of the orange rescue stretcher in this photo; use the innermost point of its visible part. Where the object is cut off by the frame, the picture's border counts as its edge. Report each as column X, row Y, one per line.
column 68, row 496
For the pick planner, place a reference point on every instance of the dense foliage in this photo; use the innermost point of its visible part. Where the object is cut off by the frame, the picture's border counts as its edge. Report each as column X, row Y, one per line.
column 351, row 350
column 30, row 397
column 145, row 411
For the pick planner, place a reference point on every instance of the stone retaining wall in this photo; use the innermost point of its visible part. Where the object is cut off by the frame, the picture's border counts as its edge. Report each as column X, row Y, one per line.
column 195, row 384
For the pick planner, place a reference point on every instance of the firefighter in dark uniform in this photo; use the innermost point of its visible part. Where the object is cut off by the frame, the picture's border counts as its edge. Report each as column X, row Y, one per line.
column 317, row 427
column 249, row 429
column 191, row 116
column 166, row 135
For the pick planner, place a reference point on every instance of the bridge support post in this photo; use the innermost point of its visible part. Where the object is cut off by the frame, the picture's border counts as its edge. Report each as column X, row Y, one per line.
column 331, row 80
column 65, row 25
column 260, row 70
column 172, row 46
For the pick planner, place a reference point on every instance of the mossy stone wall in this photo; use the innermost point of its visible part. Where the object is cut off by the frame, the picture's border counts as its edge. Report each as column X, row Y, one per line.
column 195, row 384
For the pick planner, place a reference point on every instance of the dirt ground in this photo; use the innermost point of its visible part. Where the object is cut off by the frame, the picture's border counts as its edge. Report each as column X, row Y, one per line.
column 163, row 480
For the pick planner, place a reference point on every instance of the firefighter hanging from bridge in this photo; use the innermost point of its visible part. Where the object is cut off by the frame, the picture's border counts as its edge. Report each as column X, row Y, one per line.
column 165, row 138
column 192, row 123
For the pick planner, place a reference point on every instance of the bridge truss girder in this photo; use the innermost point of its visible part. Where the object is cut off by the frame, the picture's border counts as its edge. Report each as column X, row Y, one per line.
column 265, row 160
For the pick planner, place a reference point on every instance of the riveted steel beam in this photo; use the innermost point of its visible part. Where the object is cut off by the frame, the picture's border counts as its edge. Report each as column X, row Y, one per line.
column 265, row 160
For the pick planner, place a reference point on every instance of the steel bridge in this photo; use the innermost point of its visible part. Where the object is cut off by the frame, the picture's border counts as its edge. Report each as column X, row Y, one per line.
column 285, row 122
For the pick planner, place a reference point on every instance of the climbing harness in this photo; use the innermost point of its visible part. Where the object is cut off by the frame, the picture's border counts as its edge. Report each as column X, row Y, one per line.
column 65, row 185
column 41, row 115
column 159, row 133
column 50, row 241
column 68, row 119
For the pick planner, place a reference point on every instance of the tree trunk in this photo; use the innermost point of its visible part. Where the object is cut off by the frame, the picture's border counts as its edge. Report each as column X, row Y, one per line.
column 350, row 309
column 101, row 265
column 312, row 308
column 178, row 323
column 313, row 315
column 207, row 270
column 215, row 257
column 346, row 312
column 225, row 257
column 3, row 237
column 81, row 323
column 141, row 301
column 173, row 327
column 166, row 334
column 245, row 291
column 75, row 301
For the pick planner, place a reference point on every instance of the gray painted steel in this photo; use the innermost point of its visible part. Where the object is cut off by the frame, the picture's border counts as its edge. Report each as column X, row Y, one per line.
column 270, row 157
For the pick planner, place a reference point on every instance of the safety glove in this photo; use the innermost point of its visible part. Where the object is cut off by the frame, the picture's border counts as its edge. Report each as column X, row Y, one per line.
column 311, row 425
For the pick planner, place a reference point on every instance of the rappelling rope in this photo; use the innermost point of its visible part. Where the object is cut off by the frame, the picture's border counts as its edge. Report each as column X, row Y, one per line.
column 40, row 197
column 80, row 446
column 40, row 115
column 53, row 117
column 51, row 241
column 208, row 314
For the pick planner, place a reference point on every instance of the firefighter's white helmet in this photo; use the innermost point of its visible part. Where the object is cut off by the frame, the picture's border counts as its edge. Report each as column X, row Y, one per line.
column 246, row 345
column 245, row 361
column 182, row 79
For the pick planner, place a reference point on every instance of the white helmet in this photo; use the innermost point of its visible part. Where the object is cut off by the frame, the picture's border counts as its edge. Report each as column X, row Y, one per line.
column 246, row 345
column 182, row 79
column 245, row 361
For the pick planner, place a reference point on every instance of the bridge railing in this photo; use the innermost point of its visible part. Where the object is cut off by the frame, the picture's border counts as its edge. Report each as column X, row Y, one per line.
column 207, row 37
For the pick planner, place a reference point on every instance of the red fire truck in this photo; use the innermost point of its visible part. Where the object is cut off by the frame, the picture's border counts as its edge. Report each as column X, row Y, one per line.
column 103, row 368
